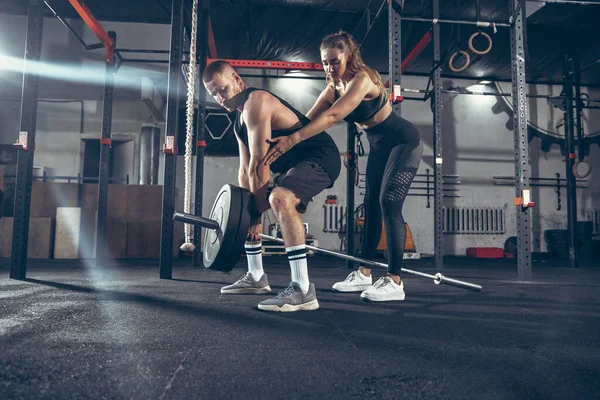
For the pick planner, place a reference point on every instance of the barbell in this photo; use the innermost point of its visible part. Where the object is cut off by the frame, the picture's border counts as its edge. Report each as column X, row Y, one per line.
column 227, row 227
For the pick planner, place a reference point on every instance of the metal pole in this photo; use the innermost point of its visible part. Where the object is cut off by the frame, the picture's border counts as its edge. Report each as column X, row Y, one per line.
column 483, row 24
column 570, row 162
column 576, row 2
column 395, row 50
column 350, row 176
column 593, row 64
column 105, row 146
column 33, row 48
column 370, row 23
column 578, row 108
column 520, row 117
column 143, row 51
column 436, row 104
column 70, row 28
column 201, row 125
column 166, row 237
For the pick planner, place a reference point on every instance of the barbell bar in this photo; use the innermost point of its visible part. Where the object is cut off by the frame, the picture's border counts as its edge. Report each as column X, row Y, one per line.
column 222, row 247
column 438, row 278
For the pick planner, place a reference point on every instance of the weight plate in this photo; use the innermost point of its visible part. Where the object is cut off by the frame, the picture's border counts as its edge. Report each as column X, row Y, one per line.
column 238, row 246
column 217, row 244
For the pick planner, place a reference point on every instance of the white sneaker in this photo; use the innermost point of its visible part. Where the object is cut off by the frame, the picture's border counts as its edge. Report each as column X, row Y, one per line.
column 355, row 282
column 385, row 289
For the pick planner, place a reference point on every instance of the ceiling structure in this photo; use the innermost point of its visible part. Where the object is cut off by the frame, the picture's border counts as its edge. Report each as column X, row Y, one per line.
column 291, row 30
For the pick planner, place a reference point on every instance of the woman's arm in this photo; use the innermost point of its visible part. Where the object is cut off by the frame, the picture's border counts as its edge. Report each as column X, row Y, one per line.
column 322, row 115
column 356, row 91
column 323, row 103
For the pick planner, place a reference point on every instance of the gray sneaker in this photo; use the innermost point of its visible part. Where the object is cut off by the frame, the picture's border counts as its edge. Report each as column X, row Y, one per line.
column 292, row 299
column 247, row 285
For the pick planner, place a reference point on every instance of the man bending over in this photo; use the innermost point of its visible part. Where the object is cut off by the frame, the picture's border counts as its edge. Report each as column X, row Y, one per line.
column 305, row 171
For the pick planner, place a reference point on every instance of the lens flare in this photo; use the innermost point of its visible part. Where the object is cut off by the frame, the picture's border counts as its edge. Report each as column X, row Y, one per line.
column 87, row 73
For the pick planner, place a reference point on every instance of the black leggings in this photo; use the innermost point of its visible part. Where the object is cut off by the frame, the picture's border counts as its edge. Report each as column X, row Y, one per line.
column 393, row 161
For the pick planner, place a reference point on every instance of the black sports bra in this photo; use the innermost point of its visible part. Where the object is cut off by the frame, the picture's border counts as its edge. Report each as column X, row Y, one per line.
column 366, row 109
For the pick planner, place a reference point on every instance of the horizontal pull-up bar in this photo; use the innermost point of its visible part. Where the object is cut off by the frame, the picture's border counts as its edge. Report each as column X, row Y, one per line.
column 482, row 24
column 494, row 94
column 578, row 2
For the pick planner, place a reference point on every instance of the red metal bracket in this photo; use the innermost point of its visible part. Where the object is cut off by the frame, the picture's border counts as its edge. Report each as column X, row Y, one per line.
column 96, row 28
column 169, row 145
column 396, row 95
column 23, row 140
column 272, row 64
column 106, row 141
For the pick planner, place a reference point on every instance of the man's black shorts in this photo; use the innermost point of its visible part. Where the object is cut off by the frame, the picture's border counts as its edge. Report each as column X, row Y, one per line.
column 306, row 180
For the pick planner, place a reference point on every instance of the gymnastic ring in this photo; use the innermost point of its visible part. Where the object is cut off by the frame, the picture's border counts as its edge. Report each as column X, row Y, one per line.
column 586, row 173
column 451, row 60
column 584, row 98
column 480, row 52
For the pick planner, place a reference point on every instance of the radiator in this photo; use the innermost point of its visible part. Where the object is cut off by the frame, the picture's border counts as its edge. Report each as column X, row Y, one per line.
column 334, row 218
column 474, row 220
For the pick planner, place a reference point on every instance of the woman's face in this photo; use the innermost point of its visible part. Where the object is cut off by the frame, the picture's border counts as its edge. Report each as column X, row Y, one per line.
column 334, row 63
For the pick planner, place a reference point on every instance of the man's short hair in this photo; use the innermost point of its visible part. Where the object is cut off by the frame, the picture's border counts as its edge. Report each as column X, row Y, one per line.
column 214, row 68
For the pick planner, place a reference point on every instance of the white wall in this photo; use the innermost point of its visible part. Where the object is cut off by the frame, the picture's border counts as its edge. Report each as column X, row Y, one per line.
column 476, row 141
column 69, row 73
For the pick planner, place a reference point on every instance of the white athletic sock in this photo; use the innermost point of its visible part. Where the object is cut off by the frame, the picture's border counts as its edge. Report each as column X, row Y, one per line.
column 297, row 257
column 254, row 256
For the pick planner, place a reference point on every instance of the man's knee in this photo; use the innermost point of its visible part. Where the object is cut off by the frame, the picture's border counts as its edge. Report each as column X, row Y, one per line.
column 282, row 199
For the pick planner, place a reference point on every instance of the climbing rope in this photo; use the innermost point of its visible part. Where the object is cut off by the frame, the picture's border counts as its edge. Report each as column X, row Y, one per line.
column 188, row 246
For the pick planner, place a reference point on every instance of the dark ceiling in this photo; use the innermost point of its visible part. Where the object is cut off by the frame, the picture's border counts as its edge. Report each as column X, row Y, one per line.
column 291, row 30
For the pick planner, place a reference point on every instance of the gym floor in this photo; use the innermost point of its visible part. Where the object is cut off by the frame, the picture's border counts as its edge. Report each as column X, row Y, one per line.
column 74, row 331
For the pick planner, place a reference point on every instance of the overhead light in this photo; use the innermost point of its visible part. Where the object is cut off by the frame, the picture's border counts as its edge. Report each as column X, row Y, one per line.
column 484, row 82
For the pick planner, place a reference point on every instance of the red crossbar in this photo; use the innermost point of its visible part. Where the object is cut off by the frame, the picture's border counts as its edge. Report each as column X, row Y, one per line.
column 273, row 64
column 307, row 66
column 414, row 53
column 96, row 28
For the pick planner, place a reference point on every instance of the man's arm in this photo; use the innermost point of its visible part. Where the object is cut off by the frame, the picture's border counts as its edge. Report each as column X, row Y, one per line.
column 243, row 180
column 258, row 114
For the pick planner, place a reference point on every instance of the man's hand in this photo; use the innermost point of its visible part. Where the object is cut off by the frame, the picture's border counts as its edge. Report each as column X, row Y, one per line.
column 254, row 231
column 283, row 144
column 257, row 207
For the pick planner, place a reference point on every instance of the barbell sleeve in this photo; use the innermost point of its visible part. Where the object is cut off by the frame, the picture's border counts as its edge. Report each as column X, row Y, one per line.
column 437, row 278
column 196, row 220
column 455, row 282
